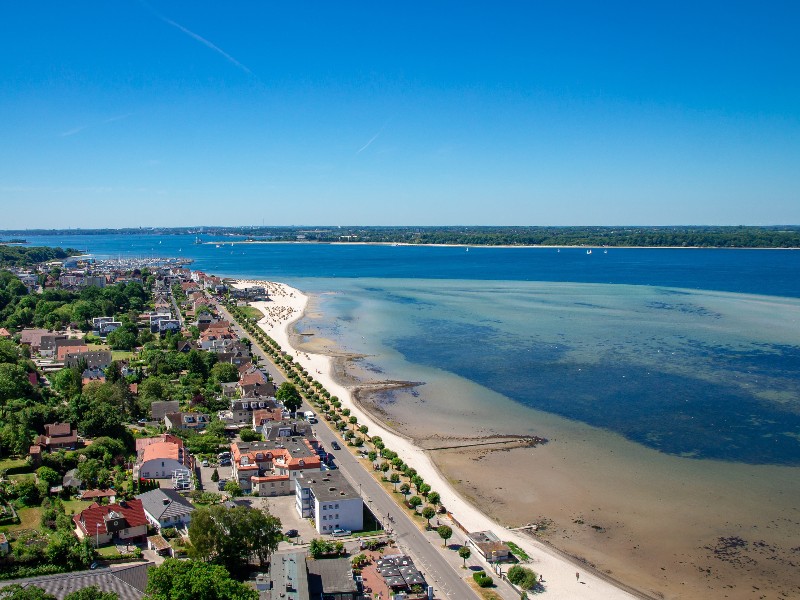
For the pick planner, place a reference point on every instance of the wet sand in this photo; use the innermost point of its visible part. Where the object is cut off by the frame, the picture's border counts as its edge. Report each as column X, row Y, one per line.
column 668, row 526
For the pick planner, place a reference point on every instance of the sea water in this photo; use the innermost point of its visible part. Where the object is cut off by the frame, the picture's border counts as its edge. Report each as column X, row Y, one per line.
column 693, row 352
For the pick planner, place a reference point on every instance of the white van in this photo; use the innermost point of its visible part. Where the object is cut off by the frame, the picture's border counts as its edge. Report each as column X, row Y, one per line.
column 309, row 415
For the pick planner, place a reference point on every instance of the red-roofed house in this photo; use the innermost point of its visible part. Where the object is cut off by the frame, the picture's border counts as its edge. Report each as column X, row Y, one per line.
column 57, row 435
column 4, row 333
column 123, row 522
column 160, row 459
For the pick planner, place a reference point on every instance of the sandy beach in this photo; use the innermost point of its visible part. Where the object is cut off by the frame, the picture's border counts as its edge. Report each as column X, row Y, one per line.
column 286, row 306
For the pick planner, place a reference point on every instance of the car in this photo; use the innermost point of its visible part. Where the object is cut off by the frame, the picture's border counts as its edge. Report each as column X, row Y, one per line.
column 341, row 533
column 205, row 463
column 221, row 485
column 225, row 462
column 142, row 421
column 222, row 455
column 291, row 533
column 335, row 445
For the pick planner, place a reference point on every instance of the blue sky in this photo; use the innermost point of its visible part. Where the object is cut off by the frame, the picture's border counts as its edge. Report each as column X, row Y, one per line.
column 124, row 113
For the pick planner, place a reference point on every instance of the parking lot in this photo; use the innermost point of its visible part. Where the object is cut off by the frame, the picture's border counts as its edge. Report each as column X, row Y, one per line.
column 205, row 476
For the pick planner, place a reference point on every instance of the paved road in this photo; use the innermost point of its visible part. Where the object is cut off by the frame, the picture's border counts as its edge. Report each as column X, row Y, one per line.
column 446, row 581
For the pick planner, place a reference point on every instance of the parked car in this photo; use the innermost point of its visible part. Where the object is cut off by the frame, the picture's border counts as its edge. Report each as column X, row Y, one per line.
column 335, row 445
column 205, row 463
column 341, row 533
column 225, row 462
column 291, row 533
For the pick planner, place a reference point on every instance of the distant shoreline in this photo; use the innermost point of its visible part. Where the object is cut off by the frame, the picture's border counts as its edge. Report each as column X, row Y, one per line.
column 484, row 246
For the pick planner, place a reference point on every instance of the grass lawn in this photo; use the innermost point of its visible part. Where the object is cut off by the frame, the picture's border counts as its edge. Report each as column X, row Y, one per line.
column 252, row 313
column 108, row 551
column 75, row 506
column 30, row 518
column 121, row 355
column 15, row 465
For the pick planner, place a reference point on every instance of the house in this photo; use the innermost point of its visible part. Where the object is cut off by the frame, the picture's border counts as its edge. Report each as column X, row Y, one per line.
column 329, row 499
column 399, row 573
column 166, row 508
column 32, row 338
column 159, row 545
column 57, row 435
column 95, row 359
column 161, row 458
column 489, row 546
column 242, row 408
column 186, row 421
column 253, row 382
column 71, row 480
column 96, row 495
column 263, row 416
column 47, row 344
column 160, row 408
column 286, row 456
column 124, row 522
column 331, row 578
column 64, row 346
column 127, row 581
column 4, row 333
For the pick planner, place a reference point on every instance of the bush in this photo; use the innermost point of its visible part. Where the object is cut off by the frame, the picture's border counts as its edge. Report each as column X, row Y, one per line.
column 482, row 579
column 522, row 577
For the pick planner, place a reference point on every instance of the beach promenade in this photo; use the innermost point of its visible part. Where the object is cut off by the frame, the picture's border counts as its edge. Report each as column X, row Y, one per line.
column 563, row 577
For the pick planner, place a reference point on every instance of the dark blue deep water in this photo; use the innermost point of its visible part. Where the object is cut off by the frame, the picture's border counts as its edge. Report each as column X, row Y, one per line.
column 769, row 272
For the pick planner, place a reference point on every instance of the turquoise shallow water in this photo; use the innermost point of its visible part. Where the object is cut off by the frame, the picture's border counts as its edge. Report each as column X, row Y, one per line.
column 696, row 374
column 692, row 352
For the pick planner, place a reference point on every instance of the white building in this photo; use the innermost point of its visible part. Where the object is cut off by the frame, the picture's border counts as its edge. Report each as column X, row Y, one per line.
column 329, row 499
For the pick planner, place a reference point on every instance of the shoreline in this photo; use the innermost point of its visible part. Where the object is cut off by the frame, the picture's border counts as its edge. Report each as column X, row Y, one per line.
column 502, row 246
column 286, row 307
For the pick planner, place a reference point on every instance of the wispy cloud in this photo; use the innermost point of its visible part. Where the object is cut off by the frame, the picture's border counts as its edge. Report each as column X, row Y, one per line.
column 80, row 128
column 373, row 138
column 197, row 37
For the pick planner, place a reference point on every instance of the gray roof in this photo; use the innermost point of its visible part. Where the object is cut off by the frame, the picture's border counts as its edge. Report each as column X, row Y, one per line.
column 328, row 486
column 71, row 479
column 128, row 582
column 163, row 502
column 161, row 407
column 330, row 576
column 291, row 569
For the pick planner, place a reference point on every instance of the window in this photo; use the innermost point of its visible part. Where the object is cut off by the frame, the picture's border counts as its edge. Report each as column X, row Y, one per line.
column 337, row 506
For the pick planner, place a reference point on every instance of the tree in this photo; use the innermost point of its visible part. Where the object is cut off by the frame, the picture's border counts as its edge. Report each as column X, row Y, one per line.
column 178, row 580
column 522, row 577
column 414, row 502
column 288, row 394
column 13, row 382
column 233, row 488
column 48, row 475
column 464, row 552
column 353, row 421
column 248, row 435
column 124, row 337
column 215, row 475
column 363, row 429
column 31, row 592
column 445, row 532
column 428, row 512
column 225, row 372
column 405, row 489
column 231, row 536
column 434, row 498
column 91, row 593
column 395, row 479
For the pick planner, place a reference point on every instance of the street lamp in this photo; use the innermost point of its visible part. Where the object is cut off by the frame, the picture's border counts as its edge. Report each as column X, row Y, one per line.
column 97, row 535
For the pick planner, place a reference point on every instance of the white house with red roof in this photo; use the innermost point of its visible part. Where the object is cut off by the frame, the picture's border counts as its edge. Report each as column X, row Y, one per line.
column 160, row 457
column 123, row 522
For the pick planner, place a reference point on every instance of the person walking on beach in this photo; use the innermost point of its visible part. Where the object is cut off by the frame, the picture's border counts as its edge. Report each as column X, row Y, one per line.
column 577, row 576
